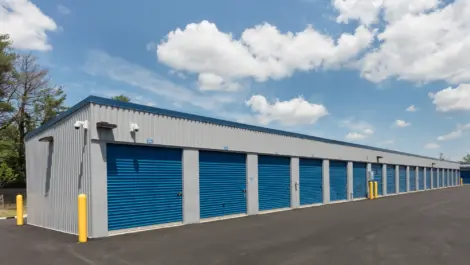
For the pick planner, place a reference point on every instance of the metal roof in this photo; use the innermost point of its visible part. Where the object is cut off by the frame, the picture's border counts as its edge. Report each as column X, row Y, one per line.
column 187, row 116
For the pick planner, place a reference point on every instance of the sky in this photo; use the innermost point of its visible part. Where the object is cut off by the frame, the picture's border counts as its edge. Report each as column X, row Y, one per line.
column 387, row 73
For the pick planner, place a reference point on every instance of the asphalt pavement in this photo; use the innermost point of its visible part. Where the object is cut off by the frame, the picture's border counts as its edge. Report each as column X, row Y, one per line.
column 423, row 228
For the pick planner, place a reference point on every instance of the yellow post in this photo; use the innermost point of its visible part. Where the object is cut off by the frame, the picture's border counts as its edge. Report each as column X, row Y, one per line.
column 82, row 219
column 371, row 190
column 19, row 209
column 461, row 181
column 376, row 190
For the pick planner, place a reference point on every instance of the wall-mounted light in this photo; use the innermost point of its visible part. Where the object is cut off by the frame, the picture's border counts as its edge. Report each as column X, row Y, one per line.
column 433, row 164
column 134, row 127
column 378, row 158
column 82, row 124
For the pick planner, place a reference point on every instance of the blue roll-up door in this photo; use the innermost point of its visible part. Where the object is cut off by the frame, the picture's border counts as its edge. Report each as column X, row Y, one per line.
column 222, row 183
column 310, row 181
column 446, row 177
column 451, row 177
column 434, row 178
column 428, row 178
column 377, row 169
column 359, row 180
column 338, row 180
column 421, row 178
column 273, row 182
column 465, row 175
column 144, row 186
column 402, row 178
column 391, row 185
column 441, row 176
column 412, row 178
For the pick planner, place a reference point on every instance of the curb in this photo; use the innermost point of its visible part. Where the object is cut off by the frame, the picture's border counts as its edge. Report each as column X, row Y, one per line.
column 12, row 217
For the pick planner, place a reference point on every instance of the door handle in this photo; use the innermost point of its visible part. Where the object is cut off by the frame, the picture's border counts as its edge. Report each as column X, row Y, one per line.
column 179, row 194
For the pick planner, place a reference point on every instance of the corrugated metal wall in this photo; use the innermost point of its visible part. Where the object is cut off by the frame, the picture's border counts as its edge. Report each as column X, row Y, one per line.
column 56, row 173
column 179, row 132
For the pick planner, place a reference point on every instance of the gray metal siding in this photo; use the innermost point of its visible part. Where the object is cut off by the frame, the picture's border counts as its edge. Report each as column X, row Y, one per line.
column 56, row 173
column 171, row 131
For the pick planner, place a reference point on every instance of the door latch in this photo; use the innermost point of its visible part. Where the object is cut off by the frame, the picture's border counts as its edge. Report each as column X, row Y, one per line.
column 179, row 194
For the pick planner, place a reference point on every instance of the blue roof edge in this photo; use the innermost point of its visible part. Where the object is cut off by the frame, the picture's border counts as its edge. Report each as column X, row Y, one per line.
column 193, row 117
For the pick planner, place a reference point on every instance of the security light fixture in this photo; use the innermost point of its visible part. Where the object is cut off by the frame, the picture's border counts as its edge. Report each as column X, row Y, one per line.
column 134, row 127
column 83, row 124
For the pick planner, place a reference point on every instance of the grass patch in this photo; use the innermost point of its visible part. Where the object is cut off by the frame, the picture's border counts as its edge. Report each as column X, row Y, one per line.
column 7, row 212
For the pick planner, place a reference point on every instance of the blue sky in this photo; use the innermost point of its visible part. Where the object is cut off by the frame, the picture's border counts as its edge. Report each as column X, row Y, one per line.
column 340, row 69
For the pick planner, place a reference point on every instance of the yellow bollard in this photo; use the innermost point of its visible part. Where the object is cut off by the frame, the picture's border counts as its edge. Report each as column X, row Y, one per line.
column 371, row 190
column 461, row 181
column 82, row 219
column 376, row 190
column 19, row 210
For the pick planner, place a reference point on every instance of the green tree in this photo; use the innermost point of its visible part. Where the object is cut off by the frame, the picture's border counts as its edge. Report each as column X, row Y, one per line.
column 7, row 175
column 466, row 159
column 7, row 75
column 35, row 101
column 49, row 104
column 122, row 97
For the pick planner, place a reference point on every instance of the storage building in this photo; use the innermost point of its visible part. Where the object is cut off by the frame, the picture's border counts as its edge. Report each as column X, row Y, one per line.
column 143, row 167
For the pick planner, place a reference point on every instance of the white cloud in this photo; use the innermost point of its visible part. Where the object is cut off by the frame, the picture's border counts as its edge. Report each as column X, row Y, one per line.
column 422, row 42
column 355, row 136
column 401, row 123
column 63, row 10
column 431, row 146
column 356, row 125
column 411, row 108
column 369, row 11
column 457, row 133
column 26, row 25
column 262, row 52
column 360, row 129
column 452, row 99
column 450, row 136
column 100, row 63
column 292, row 112
column 212, row 82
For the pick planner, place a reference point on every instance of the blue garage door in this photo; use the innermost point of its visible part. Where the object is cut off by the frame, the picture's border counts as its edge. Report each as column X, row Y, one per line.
column 222, row 183
column 441, row 177
column 434, row 178
column 428, row 178
column 377, row 169
column 144, row 186
column 273, row 182
column 465, row 175
column 402, row 179
column 412, row 178
column 446, row 177
column 421, row 178
column 338, row 180
column 451, row 177
column 359, row 180
column 310, row 181
column 391, row 185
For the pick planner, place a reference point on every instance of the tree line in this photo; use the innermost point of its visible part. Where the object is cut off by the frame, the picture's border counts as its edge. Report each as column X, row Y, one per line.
column 28, row 99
